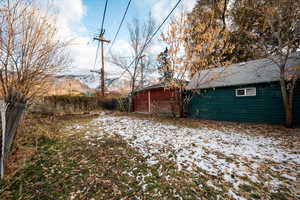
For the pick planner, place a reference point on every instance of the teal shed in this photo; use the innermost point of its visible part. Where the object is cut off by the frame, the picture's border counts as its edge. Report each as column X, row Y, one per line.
column 244, row 92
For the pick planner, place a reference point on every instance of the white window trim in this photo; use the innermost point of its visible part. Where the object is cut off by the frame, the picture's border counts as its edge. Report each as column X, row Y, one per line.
column 245, row 92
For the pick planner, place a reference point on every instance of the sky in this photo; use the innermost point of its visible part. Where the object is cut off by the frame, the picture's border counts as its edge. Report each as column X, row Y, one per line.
column 80, row 21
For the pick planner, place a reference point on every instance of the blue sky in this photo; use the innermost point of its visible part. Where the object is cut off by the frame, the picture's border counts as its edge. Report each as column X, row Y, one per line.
column 80, row 21
column 115, row 10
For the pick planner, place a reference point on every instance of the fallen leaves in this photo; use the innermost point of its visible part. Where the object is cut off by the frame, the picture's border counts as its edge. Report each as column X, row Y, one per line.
column 81, row 159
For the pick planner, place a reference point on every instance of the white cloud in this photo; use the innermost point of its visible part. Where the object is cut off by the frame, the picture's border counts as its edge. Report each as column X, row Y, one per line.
column 156, row 48
column 69, row 15
column 122, row 48
column 161, row 9
column 69, row 18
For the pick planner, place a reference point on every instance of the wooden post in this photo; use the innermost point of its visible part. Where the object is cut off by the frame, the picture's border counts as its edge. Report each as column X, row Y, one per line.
column 149, row 101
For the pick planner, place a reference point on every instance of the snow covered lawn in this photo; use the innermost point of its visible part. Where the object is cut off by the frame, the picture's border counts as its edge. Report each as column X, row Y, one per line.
column 241, row 165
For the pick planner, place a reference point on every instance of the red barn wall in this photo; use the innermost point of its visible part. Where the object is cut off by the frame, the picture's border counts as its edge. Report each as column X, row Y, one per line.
column 140, row 102
column 162, row 101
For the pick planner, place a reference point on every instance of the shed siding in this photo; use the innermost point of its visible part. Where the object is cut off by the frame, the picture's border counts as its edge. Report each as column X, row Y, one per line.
column 297, row 105
column 162, row 101
column 141, row 102
column 222, row 104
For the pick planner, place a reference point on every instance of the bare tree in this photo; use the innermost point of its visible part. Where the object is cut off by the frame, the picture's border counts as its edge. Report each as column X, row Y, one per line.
column 147, row 66
column 139, row 42
column 30, row 50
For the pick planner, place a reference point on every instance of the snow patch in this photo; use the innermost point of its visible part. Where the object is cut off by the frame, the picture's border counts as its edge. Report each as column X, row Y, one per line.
column 225, row 154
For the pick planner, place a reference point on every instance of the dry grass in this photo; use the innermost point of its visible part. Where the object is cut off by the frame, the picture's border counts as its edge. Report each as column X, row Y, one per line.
column 32, row 127
column 62, row 163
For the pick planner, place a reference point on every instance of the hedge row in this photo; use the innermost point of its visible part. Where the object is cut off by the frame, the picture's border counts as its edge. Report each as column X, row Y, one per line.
column 81, row 103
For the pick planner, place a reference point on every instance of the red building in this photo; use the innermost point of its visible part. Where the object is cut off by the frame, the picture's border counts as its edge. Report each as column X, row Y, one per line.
column 156, row 99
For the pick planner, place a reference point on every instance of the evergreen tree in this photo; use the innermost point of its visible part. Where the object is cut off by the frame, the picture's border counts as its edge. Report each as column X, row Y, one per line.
column 164, row 66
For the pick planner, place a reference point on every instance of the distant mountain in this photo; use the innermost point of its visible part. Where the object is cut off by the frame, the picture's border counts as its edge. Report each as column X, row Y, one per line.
column 113, row 83
column 91, row 80
column 121, row 85
column 65, row 85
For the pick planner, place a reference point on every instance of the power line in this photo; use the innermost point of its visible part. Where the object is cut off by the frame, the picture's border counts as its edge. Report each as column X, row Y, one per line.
column 96, row 57
column 117, row 33
column 102, row 24
column 104, row 14
column 151, row 38
column 153, row 35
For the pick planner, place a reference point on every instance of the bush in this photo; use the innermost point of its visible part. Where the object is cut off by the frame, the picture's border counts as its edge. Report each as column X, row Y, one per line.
column 108, row 103
column 123, row 104
column 80, row 103
column 72, row 103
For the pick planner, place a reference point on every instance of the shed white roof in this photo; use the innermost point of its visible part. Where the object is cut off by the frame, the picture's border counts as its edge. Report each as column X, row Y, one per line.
column 255, row 71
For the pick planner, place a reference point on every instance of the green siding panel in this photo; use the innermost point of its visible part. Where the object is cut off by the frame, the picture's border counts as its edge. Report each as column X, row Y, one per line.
column 297, row 105
column 222, row 104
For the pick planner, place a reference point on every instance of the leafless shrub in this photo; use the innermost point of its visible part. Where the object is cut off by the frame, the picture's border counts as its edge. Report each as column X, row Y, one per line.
column 30, row 50
column 139, row 41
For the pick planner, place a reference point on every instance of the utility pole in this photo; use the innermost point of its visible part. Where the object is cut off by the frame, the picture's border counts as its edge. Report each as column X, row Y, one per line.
column 101, row 39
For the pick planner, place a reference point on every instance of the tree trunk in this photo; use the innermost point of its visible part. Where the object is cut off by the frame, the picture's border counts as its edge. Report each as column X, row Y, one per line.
column 180, row 102
column 287, row 97
column 288, row 117
column 130, row 101
column 142, row 75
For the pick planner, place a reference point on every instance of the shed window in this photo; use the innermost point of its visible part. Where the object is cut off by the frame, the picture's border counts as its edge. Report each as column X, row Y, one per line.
column 245, row 92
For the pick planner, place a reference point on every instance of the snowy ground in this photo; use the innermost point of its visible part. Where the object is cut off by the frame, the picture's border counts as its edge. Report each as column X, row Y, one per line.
column 236, row 160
